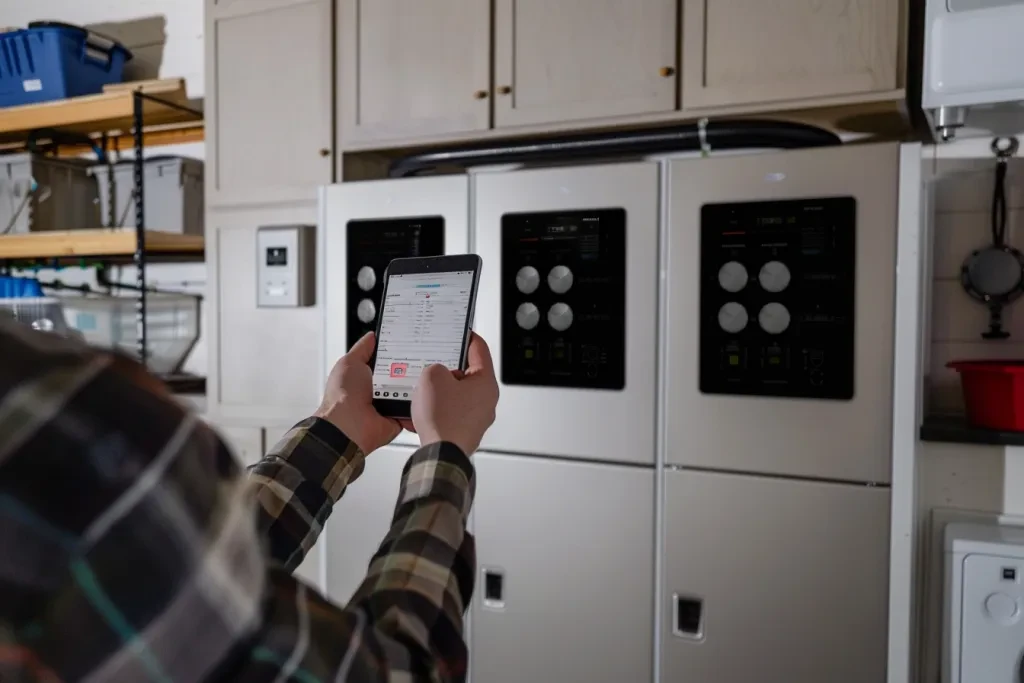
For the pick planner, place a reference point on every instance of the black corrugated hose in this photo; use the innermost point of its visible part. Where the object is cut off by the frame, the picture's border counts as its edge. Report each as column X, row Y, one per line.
column 712, row 135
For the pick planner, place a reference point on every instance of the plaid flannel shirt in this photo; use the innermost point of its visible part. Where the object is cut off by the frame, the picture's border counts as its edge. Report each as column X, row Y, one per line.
column 131, row 548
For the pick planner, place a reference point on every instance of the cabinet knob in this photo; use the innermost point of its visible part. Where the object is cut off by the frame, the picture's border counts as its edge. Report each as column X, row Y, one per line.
column 667, row 71
column 505, row 90
column 480, row 94
column 325, row 152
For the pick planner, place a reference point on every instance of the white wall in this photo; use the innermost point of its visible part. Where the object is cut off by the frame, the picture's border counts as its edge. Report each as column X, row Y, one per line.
column 166, row 37
column 961, row 477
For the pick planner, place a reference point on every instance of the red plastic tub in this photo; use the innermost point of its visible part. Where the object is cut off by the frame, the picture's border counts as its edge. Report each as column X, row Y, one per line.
column 993, row 393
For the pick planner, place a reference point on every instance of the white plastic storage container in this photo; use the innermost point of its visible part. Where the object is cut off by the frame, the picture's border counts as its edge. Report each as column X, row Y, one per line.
column 38, row 193
column 174, row 194
column 172, row 326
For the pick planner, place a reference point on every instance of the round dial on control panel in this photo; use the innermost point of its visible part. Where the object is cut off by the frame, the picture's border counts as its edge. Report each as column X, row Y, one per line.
column 774, row 318
column 366, row 311
column 527, row 280
column 733, row 276
column 732, row 317
column 366, row 278
column 527, row 316
column 560, row 317
column 560, row 279
column 774, row 276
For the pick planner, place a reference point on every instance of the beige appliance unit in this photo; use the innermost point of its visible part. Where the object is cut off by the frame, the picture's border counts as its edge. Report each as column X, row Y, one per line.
column 568, row 304
column 366, row 225
column 565, row 504
column 779, row 305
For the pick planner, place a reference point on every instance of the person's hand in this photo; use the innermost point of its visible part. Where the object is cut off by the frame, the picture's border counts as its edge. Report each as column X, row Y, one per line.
column 348, row 400
column 457, row 407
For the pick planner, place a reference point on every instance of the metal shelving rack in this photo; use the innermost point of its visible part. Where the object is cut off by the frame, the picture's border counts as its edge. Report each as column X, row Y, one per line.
column 145, row 114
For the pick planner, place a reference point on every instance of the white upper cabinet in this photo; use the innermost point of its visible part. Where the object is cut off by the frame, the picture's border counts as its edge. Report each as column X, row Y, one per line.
column 747, row 52
column 413, row 68
column 269, row 99
column 571, row 60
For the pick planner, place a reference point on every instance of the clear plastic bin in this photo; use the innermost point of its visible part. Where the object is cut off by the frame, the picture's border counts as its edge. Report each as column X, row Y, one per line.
column 41, row 313
column 172, row 326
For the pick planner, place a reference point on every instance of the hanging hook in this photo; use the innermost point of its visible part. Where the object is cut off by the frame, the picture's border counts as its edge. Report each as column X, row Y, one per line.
column 1004, row 148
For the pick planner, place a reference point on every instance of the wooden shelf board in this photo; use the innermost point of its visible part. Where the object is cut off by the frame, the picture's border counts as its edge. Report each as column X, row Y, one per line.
column 110, row 112
column 93, row 243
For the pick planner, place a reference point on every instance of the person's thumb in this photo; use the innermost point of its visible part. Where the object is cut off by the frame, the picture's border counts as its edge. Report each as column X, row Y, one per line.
column 436, row 374
column 362, row 350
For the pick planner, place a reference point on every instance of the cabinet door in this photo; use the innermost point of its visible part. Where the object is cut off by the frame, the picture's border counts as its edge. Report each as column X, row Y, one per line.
column 269, row 134
column 361, row 519
column 265, row 363
column 565, row 585
column 774, row 580
column 738, row 52
column 568, row 60
column 413, row 68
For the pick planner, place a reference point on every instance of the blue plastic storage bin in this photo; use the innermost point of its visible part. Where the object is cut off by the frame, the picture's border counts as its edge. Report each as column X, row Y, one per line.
column 51, row 61
column 19, row 288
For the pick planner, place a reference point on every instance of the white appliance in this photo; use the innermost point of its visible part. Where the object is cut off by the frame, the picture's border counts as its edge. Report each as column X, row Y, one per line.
column 360, row 521
column 566, row 494
column 804, row 241
column 365, row 226
column 568, row 305
column 779, row 307
column 565, row 584
column 984, row 604
column 972, row 66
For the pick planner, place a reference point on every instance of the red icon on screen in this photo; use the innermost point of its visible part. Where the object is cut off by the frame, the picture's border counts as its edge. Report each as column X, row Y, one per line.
column 399, row 369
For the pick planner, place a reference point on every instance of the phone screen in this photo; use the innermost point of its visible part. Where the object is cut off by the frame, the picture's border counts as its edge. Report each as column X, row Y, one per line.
column 423, row 322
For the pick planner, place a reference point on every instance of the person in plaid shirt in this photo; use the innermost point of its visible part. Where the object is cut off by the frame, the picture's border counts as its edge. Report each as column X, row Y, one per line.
column 133, row 548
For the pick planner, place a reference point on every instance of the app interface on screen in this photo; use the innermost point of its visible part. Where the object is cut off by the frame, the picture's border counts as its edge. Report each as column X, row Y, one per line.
column 422, row 323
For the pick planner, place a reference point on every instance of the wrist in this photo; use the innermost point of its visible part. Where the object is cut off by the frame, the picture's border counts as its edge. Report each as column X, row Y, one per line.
column 344, row 419
column 431, row 437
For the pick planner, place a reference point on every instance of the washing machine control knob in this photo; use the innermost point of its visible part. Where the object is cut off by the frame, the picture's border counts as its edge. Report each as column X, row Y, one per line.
column 732, row 317
column 733, row 276
column 366, row 278
column 560, row 279
column 527, row 280
column 366, row 311
column 560, row 317
column 774, row 276
column 527, row 316
column 774, row 318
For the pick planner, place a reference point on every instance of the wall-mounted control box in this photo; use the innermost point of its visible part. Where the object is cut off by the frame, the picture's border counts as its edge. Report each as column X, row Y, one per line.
column 285, row 266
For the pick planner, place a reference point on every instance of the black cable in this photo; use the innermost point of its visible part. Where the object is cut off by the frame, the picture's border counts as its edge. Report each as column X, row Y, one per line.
column 999, row 205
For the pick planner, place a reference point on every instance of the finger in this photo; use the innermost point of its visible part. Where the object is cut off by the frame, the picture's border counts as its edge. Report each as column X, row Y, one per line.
column 434, row 373
column 479, row 355
column 408, row 425
column 458, row 374
column 363, row 349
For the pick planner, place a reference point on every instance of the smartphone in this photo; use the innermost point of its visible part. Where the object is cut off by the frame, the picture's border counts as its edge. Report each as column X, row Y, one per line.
column 426, row 318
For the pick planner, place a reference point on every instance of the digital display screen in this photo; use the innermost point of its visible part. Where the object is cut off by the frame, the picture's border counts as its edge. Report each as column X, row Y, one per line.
column 423, row 322
column 277, row 256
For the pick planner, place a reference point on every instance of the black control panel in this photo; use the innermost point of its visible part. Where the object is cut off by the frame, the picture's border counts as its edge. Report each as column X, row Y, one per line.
column 777, row 298
column 563, row 299
column 371, row 246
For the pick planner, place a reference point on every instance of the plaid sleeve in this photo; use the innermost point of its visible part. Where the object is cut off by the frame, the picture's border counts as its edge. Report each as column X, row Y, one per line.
column 405, row 622
column 297, row 483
